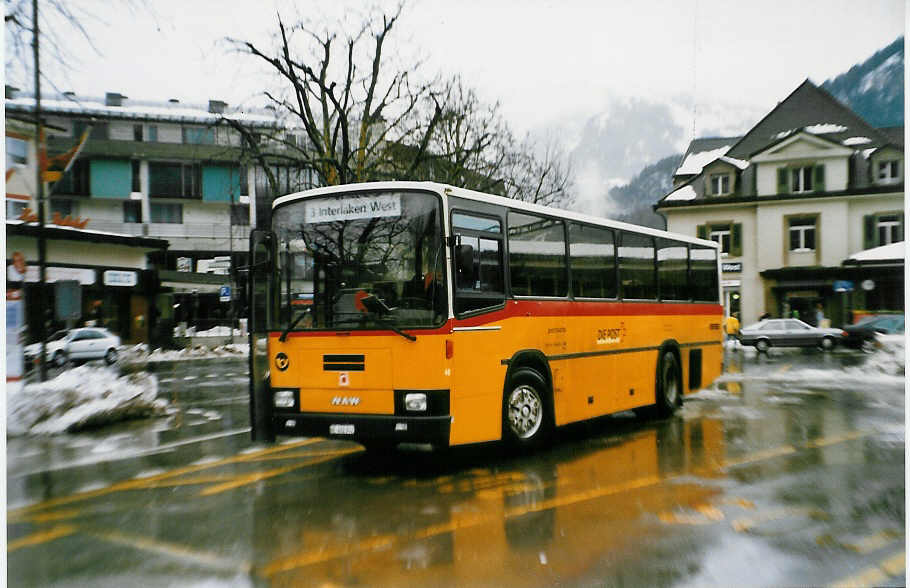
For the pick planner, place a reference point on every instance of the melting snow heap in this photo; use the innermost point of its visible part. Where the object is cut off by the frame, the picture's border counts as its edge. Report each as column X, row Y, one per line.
column 81, row 398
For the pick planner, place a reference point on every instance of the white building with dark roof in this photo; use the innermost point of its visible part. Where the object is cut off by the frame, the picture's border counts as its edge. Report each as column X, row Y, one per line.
column 809, row 187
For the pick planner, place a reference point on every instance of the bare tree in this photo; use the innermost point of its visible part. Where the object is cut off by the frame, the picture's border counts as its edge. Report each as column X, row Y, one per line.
column 366, row 118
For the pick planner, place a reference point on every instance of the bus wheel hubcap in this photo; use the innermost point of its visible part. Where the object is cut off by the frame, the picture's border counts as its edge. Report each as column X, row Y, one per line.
column 525, row 411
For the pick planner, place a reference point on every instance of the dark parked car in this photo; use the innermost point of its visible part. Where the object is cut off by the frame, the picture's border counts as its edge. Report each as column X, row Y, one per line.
column 789, row 333
column 862, row 334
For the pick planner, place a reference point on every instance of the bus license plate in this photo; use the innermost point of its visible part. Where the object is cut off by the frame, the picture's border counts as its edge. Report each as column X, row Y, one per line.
column 341, row 429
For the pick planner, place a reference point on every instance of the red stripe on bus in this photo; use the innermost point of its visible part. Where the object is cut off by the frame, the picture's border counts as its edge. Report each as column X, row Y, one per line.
column 539, row 308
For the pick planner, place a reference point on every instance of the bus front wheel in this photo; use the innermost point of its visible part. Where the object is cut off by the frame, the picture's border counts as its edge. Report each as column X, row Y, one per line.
column 669, row 387
column 526, row 414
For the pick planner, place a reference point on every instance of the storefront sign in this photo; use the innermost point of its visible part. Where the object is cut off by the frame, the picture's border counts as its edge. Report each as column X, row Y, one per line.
column 352, row 208
column 731, row 283
column 120, row 278
column 84, row 276
column 731, row 267
column 843, row 286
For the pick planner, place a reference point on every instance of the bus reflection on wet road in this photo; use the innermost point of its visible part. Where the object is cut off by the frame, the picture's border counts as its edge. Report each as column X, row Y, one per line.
column 753, row 482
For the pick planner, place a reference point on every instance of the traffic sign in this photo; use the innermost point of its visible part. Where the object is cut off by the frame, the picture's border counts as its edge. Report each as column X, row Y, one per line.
column 224, row 294
column 843, row 286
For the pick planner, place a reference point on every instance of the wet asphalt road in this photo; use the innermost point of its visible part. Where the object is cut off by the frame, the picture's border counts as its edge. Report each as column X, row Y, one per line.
column 790, row 471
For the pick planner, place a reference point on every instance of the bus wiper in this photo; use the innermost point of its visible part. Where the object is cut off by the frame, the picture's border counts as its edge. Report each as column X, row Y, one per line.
column 284, row 334
column 377, row 309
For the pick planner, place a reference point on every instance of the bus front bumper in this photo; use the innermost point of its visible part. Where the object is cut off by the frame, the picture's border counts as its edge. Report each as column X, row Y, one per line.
column 365, row 428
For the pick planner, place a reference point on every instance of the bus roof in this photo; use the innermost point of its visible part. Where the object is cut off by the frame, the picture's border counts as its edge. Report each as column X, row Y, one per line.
column 491, row 199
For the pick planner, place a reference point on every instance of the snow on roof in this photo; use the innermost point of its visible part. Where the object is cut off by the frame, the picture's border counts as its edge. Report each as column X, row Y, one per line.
column 176, row 112
column 740, row 163
column 868, row 152
column 824, row 128
column 883, row 253
column 695, row 162
column 783, row 134
column 684, row 193
column 857, row 141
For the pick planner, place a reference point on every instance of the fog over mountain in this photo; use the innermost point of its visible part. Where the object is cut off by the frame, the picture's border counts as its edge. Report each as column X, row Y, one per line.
column 623, row 157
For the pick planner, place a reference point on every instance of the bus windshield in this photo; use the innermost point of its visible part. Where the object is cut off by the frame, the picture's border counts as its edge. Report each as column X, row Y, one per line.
column 362, row 260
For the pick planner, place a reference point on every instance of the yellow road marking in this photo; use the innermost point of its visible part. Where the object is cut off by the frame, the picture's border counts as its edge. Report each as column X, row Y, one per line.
column 173, row 550
column 746, row 524
column 825, row 441
column 42, row 537
column 252, row 478
column 761, row 455
column 892, row 565
column 872, row 542
column 141, row 483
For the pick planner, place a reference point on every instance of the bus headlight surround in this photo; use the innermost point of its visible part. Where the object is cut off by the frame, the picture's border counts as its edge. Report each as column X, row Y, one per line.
column 415, row 402
column 283, row 399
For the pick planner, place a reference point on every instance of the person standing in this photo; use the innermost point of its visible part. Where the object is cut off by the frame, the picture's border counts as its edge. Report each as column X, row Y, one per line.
column 731, row 327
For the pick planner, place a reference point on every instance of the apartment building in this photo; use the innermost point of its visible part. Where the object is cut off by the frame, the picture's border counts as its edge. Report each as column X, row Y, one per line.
column 171, row 171
column 794, row 203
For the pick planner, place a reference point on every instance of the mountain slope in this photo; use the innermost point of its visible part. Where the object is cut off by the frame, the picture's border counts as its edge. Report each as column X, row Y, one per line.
column 632, row 202
column 874, row 89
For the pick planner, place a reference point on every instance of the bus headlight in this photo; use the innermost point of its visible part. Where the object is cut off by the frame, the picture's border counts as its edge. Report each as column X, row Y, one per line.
column 283, row 399
column 415, row 402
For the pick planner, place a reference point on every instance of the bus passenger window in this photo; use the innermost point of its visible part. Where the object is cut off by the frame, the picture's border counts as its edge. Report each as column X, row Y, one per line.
column 672, row 270
column 636, row 267
column 703, row 273
column 593, row 259
column 537, row 256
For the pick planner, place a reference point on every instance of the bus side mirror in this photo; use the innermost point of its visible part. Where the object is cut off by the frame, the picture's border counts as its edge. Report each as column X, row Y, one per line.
column 464, row 258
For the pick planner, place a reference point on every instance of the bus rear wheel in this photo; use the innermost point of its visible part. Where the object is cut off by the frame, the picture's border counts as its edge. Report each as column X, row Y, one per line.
column 526, row 415
column 669, row 385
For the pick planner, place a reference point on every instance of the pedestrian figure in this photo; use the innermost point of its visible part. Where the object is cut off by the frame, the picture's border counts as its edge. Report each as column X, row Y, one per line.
column 819, row 315
column 731, row 327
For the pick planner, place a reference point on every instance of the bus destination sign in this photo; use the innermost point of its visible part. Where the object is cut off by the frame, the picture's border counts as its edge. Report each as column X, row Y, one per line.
column 352, row 208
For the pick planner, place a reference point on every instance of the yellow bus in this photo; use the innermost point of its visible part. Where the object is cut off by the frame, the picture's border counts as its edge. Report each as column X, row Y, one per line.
column 416, row 312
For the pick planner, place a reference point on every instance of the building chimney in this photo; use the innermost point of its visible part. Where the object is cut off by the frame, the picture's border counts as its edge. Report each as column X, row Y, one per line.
column 10, row 92
column 173, row 101
column 113, row 99
column 217, row 106
column 69, row 95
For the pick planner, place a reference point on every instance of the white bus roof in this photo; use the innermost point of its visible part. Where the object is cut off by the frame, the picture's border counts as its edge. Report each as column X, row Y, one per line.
column 490, row 199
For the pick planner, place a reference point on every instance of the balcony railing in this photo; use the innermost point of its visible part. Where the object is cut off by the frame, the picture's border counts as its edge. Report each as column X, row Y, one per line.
column 173, row 230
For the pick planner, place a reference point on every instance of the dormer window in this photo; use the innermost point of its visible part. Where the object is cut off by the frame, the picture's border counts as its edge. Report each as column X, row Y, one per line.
column 719, row 184
column 888, row 171
column 801, row 179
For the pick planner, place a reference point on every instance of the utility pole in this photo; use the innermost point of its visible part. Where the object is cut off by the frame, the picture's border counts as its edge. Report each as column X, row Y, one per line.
column 39, row 188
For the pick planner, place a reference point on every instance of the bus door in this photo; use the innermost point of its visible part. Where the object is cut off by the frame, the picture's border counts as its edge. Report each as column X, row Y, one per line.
column 479, row 335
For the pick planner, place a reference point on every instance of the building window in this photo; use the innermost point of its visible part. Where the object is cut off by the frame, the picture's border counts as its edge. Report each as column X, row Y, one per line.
column 175, row 180
column 801, row 179
column 166, row 213
column 244, row 181
column 64, row 208
column 99, row 129
column 75, row 182
column 132, row 211
column 888, row 171
column 802, row 234
column 889, row 230
column 15, row 208
column 240, row 214
column 137, row 186
column 16, row 152
column 721, row 235
column 720, row 184
column 152, row 133
column 137, row 133
column 199, row 135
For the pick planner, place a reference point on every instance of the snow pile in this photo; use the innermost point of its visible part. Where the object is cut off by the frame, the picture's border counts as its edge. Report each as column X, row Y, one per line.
column 81, row 398
column 139, row 354
column 220, row 331
column 695, row 162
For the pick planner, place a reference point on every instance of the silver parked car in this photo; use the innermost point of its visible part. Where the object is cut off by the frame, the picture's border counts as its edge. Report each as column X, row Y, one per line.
column 77, row 345
column 789, row 333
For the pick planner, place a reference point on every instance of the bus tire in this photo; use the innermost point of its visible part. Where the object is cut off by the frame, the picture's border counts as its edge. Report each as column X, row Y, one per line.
column 527, row 417
column 669, row 384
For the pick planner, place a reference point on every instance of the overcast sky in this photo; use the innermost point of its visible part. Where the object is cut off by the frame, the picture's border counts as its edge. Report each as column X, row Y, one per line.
column 543, row 60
